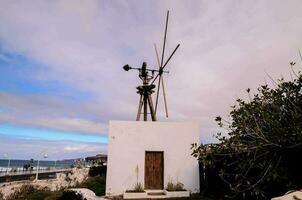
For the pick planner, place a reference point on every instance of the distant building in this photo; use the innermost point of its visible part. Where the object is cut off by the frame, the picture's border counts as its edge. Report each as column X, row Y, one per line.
column 99, row 159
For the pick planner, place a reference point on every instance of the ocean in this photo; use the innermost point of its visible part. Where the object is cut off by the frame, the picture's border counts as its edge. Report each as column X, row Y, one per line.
column 19, row 164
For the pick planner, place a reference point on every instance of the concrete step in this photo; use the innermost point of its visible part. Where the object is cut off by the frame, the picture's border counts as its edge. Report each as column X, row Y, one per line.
column 156, row 194
column 154, row 191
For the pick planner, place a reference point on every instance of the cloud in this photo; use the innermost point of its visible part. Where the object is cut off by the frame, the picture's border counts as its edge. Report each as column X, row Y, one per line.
column 26, row 149
column 49, row 112
column 82, row 148
column 226, row 47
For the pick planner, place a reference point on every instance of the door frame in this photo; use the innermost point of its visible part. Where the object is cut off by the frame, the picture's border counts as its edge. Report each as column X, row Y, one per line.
column 163, row 167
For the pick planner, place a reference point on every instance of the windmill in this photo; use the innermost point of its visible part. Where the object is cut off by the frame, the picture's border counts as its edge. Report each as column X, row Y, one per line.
column 149, row 77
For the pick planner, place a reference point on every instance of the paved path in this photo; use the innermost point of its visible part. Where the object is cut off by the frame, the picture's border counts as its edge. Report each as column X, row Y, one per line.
column 32, row 172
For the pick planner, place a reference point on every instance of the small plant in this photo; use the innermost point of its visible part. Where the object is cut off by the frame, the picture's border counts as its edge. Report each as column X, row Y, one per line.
column 138, row 187
column 136, row 173
column 175, row 186
column 179, row 186
column 170, row 186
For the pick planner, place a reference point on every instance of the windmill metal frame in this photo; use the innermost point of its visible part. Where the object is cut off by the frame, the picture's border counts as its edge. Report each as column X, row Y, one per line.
column 147, row 88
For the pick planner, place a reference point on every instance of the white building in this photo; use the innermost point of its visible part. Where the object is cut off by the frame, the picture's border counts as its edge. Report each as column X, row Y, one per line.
column 155, row 153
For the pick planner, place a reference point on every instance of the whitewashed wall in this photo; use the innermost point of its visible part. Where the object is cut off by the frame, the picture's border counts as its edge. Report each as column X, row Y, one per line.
column 128, row 141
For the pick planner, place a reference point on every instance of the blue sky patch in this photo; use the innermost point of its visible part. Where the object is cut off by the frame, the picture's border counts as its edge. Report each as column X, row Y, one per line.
column 42, row 134
column 18, row 76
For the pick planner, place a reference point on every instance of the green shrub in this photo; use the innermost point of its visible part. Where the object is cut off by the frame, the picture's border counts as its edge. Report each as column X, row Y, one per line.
column 97, row 171
column 258, row 158
column 54, row 195
column 71, row 195
column 97, row 184
column 41, row 195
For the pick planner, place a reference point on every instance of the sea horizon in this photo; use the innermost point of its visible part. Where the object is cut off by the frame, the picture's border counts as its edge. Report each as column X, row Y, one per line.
column 20, row 163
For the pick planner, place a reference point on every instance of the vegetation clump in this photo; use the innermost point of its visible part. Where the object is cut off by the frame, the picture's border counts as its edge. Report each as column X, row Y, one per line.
column 97, row 184
column 138, row 187
column 175, row 186
column 28, row 192
column 22, row 192
column 97, row 171
column 259, row 157
column 68, row 195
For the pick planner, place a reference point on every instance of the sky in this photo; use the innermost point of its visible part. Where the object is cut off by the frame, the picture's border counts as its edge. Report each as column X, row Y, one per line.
column 61, row 76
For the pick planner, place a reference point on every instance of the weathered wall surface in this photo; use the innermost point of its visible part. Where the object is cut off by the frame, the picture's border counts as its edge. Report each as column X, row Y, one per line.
column 128, row 141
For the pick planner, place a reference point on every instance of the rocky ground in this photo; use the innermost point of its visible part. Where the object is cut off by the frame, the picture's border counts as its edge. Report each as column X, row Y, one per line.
column 88, row 194
column 63, row 180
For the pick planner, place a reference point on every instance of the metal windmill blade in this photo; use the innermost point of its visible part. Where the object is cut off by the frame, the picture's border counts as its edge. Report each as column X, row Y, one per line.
column 159, row 75
column 163, row 84
column 162, row 59
column 162, row 66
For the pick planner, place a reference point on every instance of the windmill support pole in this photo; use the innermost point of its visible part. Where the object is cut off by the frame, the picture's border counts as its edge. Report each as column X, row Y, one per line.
column 153, row 116
column 139, row 111
column 145, row 106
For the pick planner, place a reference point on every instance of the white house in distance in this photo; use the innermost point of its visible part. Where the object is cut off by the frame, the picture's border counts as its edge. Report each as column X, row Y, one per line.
column 151, row 153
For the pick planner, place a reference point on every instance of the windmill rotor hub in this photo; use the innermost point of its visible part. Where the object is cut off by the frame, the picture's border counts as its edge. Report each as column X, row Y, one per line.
column 160, row 71
column 145, row 88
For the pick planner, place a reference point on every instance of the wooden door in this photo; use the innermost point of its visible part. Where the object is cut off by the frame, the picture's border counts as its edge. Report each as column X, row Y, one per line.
column 154, row 170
